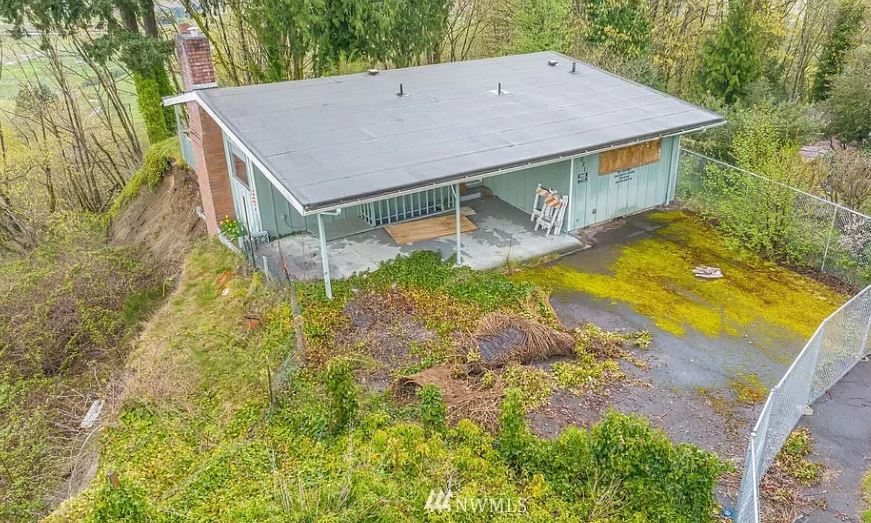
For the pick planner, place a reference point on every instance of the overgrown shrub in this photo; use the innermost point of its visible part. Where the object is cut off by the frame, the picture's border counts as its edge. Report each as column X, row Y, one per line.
column 651, row 478
column 431, row 410
column 515, row 440
column 339, row 379
column 125, row 503
column 156, row 163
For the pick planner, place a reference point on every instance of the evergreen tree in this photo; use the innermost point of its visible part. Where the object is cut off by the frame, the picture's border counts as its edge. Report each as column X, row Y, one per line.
column 732, row 55
column 142, row 51
column 843, row 37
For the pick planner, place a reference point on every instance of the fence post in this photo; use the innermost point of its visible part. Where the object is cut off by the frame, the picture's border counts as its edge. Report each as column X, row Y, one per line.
column 865, row 336
column 266, row 267
column 756, row 479
column 829, row 239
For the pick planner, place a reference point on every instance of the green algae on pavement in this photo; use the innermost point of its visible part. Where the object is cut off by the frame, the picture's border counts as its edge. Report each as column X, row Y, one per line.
column 654, row 277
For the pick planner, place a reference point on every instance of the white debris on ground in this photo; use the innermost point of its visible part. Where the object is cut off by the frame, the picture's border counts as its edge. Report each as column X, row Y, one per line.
column 708, row 273
column 92, row 415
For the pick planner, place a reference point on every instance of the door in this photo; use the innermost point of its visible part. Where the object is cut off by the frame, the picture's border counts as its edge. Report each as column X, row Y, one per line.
column 585, row 189
column 244, row 196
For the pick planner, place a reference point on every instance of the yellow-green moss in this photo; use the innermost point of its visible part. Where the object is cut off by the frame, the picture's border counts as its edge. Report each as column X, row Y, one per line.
column 156, row 163
column 653, row 276
column 748, row 388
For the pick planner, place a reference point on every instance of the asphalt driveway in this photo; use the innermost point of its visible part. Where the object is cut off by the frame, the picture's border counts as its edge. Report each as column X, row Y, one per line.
column 693, row 384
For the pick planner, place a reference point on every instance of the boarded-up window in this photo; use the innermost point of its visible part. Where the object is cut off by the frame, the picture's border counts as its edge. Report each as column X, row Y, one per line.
column 629, row 157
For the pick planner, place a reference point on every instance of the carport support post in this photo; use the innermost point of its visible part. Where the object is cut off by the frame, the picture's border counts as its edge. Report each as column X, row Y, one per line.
column 325, row 260
column 570, row 222
column 458, row 216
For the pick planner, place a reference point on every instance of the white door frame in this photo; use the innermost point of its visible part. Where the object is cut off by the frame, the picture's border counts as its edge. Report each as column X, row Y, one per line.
column 244, row 198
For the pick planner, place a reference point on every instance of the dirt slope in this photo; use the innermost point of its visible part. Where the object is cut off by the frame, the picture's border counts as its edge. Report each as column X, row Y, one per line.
column 163, row 220
column 162, row 225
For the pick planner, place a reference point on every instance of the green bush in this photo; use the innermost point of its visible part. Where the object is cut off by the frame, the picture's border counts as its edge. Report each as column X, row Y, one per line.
column 156, row 163
column 431, row 410
column 126, row 503
column 649, row 475
column 515, row 440
column 343, row 396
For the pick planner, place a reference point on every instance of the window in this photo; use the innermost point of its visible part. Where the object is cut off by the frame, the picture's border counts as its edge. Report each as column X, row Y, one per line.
column 240, row 169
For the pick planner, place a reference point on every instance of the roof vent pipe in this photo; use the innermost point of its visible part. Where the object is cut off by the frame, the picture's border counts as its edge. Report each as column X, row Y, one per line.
column 499, row 88
column 574, row 67
column 401, row 91
column 551, row 62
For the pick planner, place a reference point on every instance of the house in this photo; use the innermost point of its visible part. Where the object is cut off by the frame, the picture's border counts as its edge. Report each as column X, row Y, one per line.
column 346, row 168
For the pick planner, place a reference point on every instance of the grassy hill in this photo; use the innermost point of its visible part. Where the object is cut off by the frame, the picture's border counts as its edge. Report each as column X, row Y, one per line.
column 224, row 418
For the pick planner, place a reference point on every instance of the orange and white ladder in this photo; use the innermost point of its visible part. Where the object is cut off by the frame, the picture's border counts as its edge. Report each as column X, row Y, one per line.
column 549, row 216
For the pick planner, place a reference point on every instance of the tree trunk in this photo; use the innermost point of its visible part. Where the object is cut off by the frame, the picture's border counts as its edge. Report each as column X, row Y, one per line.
column 149, row 21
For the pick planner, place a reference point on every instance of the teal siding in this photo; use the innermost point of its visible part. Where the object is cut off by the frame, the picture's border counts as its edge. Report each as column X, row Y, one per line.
column 277, row 215
column 594, row 198
column 518, row 188
column 602, row 198
column 280, row 218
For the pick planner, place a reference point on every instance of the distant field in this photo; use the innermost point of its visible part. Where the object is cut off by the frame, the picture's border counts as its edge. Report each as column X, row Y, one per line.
column 23, row 62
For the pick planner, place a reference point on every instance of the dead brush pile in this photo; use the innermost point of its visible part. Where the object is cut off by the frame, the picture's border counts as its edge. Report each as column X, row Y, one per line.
column 465, row 396
column 506, row 338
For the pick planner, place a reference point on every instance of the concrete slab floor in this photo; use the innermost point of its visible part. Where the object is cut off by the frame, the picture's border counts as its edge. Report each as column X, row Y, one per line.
column 504, row 233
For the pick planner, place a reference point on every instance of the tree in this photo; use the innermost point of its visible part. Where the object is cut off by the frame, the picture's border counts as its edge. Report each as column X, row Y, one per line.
column 540, row 25
column 732, row 55
column 845, row 178
column 143, row 52
column 622, row 26
column 848, row 24
column 849, row 105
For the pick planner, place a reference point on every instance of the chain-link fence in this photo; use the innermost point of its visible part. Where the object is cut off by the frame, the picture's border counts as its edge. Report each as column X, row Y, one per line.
column 780, row 221
column 839, row 342
column 776, row 220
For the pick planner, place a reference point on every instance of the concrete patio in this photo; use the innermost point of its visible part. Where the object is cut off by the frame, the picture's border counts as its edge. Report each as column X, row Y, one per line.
column 504, row 234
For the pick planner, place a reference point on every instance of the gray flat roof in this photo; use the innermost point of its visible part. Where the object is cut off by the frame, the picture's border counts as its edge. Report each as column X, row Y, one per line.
column 334, row 140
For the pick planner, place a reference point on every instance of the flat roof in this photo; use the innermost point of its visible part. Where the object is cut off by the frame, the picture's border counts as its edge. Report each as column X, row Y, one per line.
column 334, row 140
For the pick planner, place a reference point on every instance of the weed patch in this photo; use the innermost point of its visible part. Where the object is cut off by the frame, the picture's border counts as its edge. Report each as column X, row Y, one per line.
column 535, row 385
column 748, row 388
column 783, row 486
column 201, row 438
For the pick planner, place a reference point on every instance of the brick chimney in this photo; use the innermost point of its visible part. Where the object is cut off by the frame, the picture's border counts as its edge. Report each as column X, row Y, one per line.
column 198, row 72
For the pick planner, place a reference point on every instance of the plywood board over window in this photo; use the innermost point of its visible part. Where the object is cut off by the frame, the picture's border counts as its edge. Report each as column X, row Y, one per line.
column 629, row 157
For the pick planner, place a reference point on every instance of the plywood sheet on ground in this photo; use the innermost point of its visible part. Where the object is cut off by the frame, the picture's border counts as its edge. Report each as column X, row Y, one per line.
column 427, row 229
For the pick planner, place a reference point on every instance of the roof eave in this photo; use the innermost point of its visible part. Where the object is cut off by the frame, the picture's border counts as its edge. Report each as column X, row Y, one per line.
column 504, row 169
column 193, row 96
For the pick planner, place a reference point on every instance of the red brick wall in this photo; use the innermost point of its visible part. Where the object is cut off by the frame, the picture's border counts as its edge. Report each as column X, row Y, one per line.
column 195, row 63
column 195, row 60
